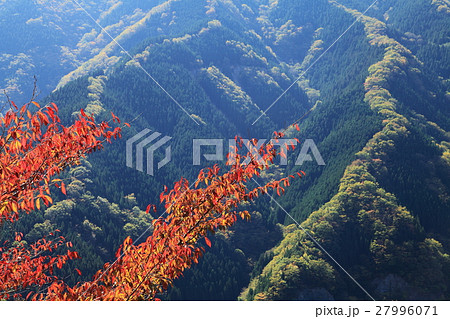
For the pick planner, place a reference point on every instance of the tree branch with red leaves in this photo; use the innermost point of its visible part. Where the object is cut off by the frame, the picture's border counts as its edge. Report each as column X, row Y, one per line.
column 35, row 147
column 143, row 271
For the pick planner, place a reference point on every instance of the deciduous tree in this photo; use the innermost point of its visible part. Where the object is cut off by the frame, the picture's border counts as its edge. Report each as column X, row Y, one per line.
column 35, row 147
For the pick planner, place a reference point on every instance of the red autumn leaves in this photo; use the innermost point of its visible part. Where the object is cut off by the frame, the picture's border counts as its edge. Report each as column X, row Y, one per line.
column 35, row 147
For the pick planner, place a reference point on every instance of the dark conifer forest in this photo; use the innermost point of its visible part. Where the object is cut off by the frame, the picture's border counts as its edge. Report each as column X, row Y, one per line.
column 375, row 104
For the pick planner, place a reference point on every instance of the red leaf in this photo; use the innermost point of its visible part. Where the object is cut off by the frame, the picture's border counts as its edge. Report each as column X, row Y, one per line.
column 208, row 242
column 19, row 236
column 115, row 118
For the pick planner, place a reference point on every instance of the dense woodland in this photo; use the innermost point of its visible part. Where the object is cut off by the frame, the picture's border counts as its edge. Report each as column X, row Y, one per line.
column 377, row 106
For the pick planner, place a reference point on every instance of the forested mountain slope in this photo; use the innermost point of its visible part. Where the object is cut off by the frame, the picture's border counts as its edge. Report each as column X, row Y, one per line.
column 49, row 39
column 378, row 102
column 393, row 200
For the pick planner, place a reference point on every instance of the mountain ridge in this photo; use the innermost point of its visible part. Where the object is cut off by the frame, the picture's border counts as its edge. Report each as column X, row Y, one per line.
column 379, row 118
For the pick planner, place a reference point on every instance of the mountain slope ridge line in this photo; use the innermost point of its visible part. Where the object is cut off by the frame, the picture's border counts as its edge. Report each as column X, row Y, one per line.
column 138, row 64
column 313, row 63
column 357, row 177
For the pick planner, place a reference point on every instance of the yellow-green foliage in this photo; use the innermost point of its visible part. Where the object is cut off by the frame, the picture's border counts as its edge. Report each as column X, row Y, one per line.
column 92, row 228
column 269, row 49
column 68, row 57
column 140, row 57
column 231, row 7
column 96, row 86
column 138, row 221
column 101, row 61
column 276, row 72
column 360, row 205
column 184, row 38
column 105, row 58
column 134, row 219
column 40, row 230
column 264, row 78
column 214, row 24
column 60, row 210
column 198, row 119
column 37, row 20
column 246, row 52
column 106, row 13
column 20, row 68
column 314, row 50
column 247, row 9
column 287, row 30
column 281, row 34
column 445, row 146
column 211, row 25
column 229, row 88
column 442, row 5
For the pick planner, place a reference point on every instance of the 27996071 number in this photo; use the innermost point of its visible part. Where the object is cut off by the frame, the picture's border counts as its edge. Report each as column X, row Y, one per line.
column 404, row 310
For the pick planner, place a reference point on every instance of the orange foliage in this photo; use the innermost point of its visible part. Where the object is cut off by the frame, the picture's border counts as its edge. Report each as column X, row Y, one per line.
column 142, row 271
column 34, row 147
column 22, row 267
column 30, row 158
